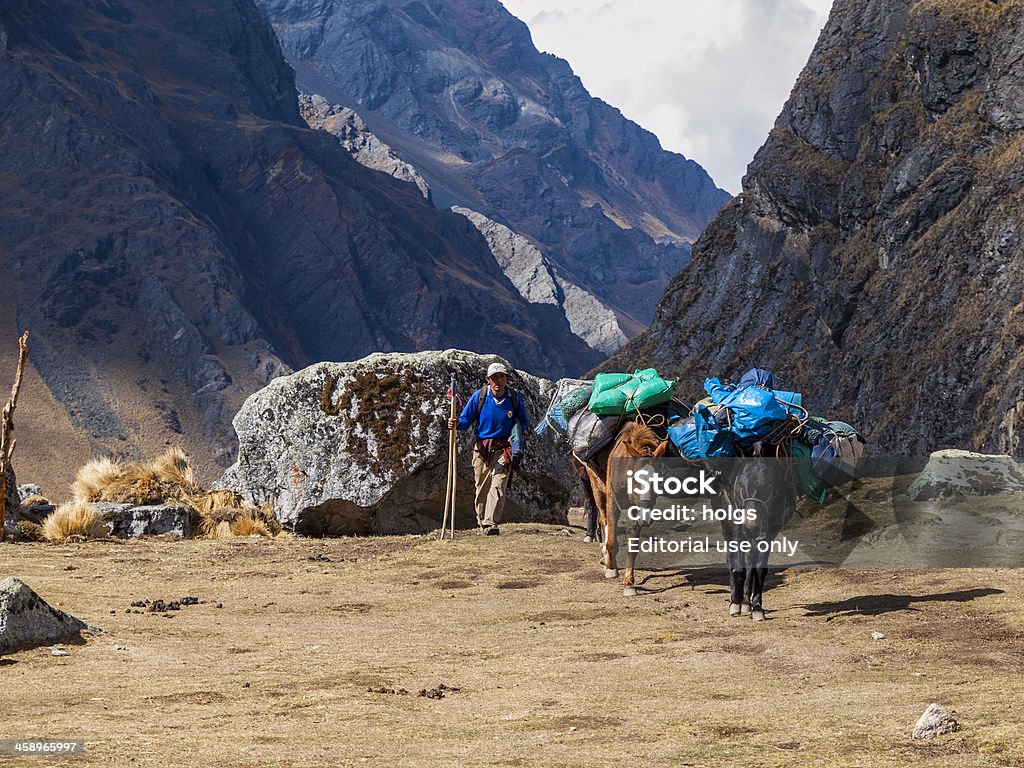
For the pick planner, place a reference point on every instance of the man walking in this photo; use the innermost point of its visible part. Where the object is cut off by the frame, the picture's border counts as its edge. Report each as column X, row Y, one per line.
column 494, row 411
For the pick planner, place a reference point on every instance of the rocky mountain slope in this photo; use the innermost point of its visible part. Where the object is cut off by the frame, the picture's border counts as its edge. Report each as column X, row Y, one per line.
column 457, row 89
column 875, row 256
column 533, row 275
column 174, row 236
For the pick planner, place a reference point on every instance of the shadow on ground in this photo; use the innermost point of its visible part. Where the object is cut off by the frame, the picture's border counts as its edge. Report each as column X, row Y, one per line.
column 875, row 605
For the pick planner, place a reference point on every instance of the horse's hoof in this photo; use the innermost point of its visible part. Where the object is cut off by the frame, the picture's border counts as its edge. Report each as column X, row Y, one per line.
column 744, row 610
column 587, row 539
column 734, row 609
column 611, row 573
column 629, row 592
column 757, row 615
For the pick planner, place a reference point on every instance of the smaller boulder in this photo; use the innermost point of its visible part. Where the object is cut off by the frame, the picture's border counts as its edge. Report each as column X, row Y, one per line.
column 26, row 621
column 28, row 490
column 128, row 522
column 963, row 473
column 934, row 722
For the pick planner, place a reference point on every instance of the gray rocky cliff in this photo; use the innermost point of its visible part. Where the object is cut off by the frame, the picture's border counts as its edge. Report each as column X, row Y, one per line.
column 875, row 257
column 457, row 88
column 174, row 235
column 533, row 275
column 539, row 282
column 351, row 132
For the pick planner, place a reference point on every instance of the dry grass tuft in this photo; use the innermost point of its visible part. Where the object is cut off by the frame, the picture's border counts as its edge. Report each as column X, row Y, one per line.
column 93, row 478
column 136, row 484
column 174, row 469
column 207, row 502
column 34, row 501
column 170, row 479
column 73, row 521
column 247, row 526
column 226, row 522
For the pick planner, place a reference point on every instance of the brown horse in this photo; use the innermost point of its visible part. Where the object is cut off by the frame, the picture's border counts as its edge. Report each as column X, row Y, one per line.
column 607, row 471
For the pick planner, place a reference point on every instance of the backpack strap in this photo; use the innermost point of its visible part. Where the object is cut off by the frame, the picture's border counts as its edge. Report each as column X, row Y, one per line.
column 482, row 398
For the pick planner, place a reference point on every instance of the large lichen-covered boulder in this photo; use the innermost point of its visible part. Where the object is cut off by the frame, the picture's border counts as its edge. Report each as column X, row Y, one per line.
column 27, row 621
column 362, row 447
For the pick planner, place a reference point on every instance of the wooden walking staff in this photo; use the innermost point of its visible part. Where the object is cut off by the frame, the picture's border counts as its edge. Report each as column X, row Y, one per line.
column 449, row 489
column 6, row 427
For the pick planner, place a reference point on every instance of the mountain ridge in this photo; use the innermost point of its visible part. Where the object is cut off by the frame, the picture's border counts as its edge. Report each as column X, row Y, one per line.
column 874, row 256
column 174, row 236
column 458, row 90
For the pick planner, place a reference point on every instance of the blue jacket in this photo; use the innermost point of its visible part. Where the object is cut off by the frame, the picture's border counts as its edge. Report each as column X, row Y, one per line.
column 495, row 421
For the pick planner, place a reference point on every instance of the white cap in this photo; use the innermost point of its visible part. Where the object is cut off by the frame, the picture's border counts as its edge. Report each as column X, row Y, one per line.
column 494, row 368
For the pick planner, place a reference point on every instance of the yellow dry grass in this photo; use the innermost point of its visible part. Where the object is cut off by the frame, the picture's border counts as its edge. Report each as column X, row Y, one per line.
column 169, row 478
column 73, row 521
column 93, row 478
column 173, row 468
column 226, row 522
column 210, row 501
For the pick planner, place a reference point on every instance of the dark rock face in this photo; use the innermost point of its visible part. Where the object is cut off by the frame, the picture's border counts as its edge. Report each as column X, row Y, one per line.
column 359, row 448
column 875, row 257
column 9, row 502
column 457, row 88
column 178, row 236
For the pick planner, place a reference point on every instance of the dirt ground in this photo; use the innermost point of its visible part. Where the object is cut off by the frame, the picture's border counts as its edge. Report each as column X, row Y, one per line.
column 553, row 666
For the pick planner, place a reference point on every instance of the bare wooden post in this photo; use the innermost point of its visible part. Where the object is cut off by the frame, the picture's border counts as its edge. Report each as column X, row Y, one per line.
column 7, row 427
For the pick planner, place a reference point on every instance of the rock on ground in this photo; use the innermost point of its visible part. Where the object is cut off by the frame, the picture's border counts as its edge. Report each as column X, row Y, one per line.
column 934, row 722
column 26, row 621
column 963, row 473
column 27, row 490
column 126, row 521
column 362, row 447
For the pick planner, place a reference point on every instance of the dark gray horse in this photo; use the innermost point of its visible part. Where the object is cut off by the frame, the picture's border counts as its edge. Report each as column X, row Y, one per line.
column 761, row 485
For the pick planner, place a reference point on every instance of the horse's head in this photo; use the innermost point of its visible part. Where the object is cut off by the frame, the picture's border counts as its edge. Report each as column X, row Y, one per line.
column 637, row 440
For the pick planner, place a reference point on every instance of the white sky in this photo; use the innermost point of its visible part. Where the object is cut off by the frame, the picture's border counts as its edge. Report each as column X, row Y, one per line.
column 708, row 77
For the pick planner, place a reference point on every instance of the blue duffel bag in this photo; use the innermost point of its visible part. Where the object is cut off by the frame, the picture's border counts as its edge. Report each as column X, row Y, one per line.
column 754, row 411
column 699, row 436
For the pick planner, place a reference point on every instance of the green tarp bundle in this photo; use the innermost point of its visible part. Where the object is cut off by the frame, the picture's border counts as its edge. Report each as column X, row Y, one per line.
column 618, row 393
column 810, row 483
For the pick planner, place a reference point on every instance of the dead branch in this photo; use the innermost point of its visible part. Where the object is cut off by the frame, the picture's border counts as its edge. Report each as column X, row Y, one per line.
column 7, row 427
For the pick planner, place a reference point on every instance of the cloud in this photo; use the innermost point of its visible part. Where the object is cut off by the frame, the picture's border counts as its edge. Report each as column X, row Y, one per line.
column 708, row 78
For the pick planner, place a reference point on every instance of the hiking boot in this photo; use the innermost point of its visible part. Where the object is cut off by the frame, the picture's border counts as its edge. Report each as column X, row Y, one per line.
column 491, row 531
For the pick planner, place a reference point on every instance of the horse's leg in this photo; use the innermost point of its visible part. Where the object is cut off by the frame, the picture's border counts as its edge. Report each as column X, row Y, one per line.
column 590, row 505
column 611, row 571
column 605, row 510
column 757, row 577
column 597, row 487
column 734, row 561
column 628, row 584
